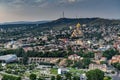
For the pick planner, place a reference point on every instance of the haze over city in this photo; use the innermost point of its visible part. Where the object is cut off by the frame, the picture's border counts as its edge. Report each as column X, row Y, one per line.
column 34, row 10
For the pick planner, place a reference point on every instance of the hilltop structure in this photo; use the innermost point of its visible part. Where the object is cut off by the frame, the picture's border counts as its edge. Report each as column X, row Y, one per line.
column 77, row 31
column 77, row 34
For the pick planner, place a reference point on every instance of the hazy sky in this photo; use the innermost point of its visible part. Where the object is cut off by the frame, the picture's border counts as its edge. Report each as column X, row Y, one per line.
column 34, row 10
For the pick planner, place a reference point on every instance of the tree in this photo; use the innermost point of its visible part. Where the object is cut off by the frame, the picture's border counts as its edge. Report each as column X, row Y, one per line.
column 1, row 67
column 59, row 77
column 86, row 62
column 88, row 55
column 107, row 78
column 103, row 62
column 82, row 63
column 69, row 62
column 33, row 76
column 19, row 78
column 78, row 64
column 117, row 66
column 11, row 77
column 52, row 77
column 76, row 78
column 110, row 53
column 68, row 76
column 19, row 52
column 95, row 75
column 40, row 78
column 25, row 58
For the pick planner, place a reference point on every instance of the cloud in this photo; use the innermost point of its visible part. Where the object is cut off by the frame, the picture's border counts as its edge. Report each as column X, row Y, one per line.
column 36, row 3
column 72, row 0
column 22, row 3
column 52, row 9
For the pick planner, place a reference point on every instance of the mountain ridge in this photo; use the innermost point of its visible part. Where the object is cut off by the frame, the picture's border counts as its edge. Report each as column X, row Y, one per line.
column 62, row 23
column 24, row 22
column 57, row 20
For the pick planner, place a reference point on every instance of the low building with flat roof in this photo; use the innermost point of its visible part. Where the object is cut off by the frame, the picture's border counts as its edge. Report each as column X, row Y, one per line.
column 8, row 58
column 102, row 67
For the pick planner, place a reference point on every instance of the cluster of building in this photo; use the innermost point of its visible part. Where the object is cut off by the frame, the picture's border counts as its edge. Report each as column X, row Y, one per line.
column 78, row 38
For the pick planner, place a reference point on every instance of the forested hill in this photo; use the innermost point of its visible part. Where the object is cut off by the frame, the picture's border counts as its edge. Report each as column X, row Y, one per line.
column 65, row 22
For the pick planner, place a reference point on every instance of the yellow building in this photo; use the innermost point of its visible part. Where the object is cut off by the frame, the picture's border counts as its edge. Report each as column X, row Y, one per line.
column 77, row 32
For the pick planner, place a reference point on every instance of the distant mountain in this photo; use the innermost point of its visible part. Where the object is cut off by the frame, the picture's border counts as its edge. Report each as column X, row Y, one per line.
column 62, row 23
column 66, row 22
column 89, row 21
column 25, row 22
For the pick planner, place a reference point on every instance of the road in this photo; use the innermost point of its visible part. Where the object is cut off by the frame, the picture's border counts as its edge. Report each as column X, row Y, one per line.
column 115, row 77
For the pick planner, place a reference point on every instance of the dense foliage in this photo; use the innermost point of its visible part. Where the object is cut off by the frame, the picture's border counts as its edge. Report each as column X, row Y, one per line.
column 84, row 63
column 109, row 53
column 117, row 66
column 95, row 75
column 11, row 77
column 33, row 76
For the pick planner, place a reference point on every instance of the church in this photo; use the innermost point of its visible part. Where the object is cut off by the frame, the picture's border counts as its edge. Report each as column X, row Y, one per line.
column 77, row 31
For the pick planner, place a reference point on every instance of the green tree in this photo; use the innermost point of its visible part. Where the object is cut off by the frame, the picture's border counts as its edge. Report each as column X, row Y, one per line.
column 110, row 53
column 52, row 77
column 19, row 78
column 86, row 62
column 95, row 75
column 117, row 66
column 76, row 78
column 69, row 62
column 82, row 63
column 33, row 76
column 40, row 78
column 88, row 55
column 10, row 77
column 103, row 62
column 25, row 58
column 107, row 78
column 1, row 68
column 68, row 76
column 78, row 64
column 59, row 77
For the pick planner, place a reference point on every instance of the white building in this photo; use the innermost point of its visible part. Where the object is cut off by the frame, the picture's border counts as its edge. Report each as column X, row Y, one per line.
column 62, row 70
column 102, row 67
column 8, row 58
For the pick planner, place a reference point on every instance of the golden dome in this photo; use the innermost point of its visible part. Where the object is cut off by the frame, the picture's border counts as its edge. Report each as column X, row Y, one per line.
column 78, row 25
column 77, row 32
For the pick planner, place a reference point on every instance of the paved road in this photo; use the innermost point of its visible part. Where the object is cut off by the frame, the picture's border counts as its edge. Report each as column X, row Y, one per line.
column 116, row 77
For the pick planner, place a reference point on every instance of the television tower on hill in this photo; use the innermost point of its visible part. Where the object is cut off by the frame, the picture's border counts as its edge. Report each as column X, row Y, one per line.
column 63, row 14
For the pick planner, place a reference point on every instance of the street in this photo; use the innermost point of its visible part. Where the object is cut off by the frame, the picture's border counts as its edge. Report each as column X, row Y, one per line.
column 115, row 77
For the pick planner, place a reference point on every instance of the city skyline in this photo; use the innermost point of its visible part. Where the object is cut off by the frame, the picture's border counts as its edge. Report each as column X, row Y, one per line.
column 38, row 10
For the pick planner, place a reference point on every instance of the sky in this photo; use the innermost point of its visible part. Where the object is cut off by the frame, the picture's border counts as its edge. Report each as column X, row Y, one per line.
column 38, row 10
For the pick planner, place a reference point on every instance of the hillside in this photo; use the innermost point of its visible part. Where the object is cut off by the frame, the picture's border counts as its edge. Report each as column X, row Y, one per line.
column 25, row 30
column 64, row 22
